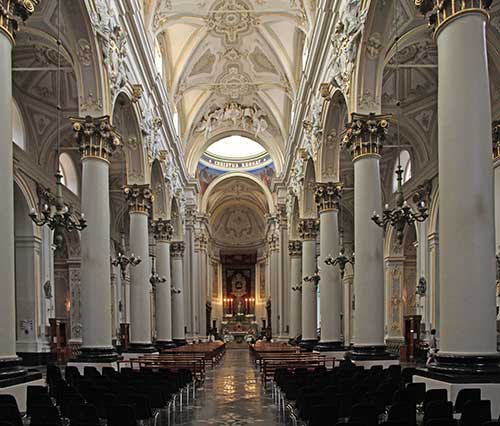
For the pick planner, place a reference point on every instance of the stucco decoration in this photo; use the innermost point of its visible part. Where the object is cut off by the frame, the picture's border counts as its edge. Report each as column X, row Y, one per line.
column 230, row 19
column 345, row 44
column 113, row 42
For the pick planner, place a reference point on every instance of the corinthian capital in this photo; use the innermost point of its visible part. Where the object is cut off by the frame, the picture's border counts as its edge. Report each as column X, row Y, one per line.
column 365, row 134
column 139, row 198
column 295, row 248
column 95, row 136
column 308, row 229
column 162, row 229
column 177, row 249
column 440, row 11
column 11, row 11
column 327, row 195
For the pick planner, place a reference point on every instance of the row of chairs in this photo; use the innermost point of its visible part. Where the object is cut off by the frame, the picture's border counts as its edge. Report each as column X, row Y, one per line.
column 368, row 397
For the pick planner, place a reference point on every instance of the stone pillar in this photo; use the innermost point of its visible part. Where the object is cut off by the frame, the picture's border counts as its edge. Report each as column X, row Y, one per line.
column 163, row 231
column 200, row 250
column 468, row 342
column 496, row 163
column 347, row 304
column 295, row 252
column 308, row 230
column 178, row 320
column 284, row 276
column 364, row 139
column 327, row 198
column 433, row 284
column 9, row 361
column 97, row 140
column 139, row 199
column 273, row 242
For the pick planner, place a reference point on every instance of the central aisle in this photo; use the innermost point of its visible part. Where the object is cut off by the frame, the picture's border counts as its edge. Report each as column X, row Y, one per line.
column 232, row 395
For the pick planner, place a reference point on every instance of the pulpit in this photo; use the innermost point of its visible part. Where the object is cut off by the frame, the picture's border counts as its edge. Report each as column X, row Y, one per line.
column 412, row 336
column 58, row 345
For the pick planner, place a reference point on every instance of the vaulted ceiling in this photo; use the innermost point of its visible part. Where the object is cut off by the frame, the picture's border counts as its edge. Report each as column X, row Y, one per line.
column 217, row 52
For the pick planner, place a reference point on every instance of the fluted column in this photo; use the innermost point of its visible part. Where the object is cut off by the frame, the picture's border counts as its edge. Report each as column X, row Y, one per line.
column 364, row 139
column 327, row 197
column 295, row 252
column 178, row 320
column 163, row 231
column 97, row 139
column 139, row 198
column 466, row 206
column 308, row 230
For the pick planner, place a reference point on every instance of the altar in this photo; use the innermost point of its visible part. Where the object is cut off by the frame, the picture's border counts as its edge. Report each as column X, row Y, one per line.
column 239, row 331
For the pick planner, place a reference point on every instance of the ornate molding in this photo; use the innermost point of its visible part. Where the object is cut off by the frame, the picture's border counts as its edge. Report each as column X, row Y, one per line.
column 11, row 11
column 308, row 229
column 113, row 41
column 295, row 248
column 150, row 127
column 139, row 198
column 96, row 137
column 273, row 240
column 200, row 241
column 365, row 134
column 345, row 43
column 328, row 195
column 162, row 230
column 439, row 12
column 177, row 249
column 423, row 193
column 496, row 138
column 230, row 19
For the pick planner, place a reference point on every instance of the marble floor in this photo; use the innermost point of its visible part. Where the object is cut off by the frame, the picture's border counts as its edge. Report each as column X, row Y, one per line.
column 232, row 395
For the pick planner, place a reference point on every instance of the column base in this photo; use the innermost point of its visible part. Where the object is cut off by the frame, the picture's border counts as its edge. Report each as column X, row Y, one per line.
column 371, row 353
column 96, row 355
column 179, row 342
column 141, row 348
column 11, row 369
column 16, row 386
column 165, row 344
column 308, row 345
column 330, row 347
column 466, row 365
column 35, row 358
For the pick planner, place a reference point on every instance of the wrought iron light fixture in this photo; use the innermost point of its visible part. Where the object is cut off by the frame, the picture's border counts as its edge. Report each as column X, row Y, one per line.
column 155, row 279
column 123, row 261
column 176, row 290
column 314, row 279
column 54, row 212
column 297, row 288
column 403, row 214
column 421, row 287
column 341, row 260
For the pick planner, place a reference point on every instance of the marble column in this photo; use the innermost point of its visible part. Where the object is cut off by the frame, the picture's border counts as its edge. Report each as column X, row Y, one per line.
column 139, row 199
column 9, row 361
column 97, row 140
column 163, row 232
column 468, row 343
column 308, row 230
column 364, row 139
column 327, row 196
column 283, row 276
column 496, row 163
column 273, row 242
column 178, row 320
column 295, row 252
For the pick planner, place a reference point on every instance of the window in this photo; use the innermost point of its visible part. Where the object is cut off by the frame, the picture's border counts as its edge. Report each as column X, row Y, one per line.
column 69, row 173
column 405, row 160
column 18, row 135
column 236, row 147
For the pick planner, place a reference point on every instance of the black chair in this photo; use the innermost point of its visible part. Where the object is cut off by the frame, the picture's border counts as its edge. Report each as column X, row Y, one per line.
column 394, row 423
column 476, row 413
column 68, row 401
column 43, row 414
column 465, row 395
column 6, row 424
column 441, row 422
column 402, row 412
column 403, row 395
column 442, row 410
column 142, row 406
column 121, row 415
column 324, row 415
column 83, row 413
column 349, row 423
column 417, row 390
column 34, row 393
column 7, row 399
column 365, row 414
column 435, row 395
column 10, row 414
column 492, row 423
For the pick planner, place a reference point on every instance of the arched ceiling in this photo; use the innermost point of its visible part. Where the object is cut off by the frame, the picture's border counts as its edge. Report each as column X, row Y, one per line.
column 218, row 52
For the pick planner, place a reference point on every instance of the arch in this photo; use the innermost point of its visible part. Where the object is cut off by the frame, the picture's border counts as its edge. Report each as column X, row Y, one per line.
column 69, row 172
column 160, row 191
column 18, row 129
column 307, row 204
column 126, row 120
column 334, row 118
column 197, row 147
column 176, row 219
column 225, row 176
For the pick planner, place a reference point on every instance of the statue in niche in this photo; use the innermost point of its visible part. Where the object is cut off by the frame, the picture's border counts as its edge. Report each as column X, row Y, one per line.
column 47, row 289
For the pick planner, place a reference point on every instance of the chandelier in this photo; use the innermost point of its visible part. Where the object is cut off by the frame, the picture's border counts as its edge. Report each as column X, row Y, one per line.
column 155, row 279
column 403, row 214
column 54, row 212
column 297, row 288
column 314, row 278
column 123, row 261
